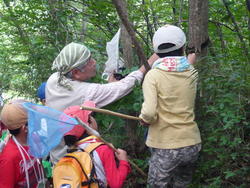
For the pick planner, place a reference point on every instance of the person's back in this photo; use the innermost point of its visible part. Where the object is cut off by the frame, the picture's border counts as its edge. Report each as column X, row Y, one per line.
column 170, row 112
column 169, row 91
column 10, row 172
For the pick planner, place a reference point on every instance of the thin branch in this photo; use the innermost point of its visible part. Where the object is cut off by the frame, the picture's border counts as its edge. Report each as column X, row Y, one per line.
column 180, row 13
column 236, row 28
column 219, row 31
column 108, row 24
column 155, row 20
column 222, row 24
column 146, row 18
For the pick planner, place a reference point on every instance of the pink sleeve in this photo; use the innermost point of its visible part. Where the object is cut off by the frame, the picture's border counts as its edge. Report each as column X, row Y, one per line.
column 115, row 176
column 104, row 94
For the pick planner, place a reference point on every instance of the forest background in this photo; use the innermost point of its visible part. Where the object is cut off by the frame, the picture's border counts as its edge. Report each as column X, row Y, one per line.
column 34, row 31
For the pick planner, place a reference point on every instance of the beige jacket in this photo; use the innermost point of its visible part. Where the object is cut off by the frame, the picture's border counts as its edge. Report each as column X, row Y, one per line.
column 169, row 108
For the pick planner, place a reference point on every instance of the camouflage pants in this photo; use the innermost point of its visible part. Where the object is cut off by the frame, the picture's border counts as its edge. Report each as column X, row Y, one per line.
column 172, row 167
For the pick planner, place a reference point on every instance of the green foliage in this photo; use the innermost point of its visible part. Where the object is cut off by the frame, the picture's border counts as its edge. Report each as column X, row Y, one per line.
column 34, row 31
column 224, row 124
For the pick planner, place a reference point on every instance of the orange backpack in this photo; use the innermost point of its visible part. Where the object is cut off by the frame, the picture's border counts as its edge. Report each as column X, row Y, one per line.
column 76, row 169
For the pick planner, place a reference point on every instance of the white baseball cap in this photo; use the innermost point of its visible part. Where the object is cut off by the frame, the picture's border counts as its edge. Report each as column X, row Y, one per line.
column 168, row 34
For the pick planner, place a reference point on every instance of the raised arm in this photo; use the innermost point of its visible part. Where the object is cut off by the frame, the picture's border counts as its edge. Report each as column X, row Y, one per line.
column 192, row 58
column 151, row 60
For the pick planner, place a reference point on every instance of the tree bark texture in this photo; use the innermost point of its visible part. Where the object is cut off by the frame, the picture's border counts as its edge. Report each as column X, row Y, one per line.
column 198, row 23
column 127, row 49
column 198, row 28
column 126, row 43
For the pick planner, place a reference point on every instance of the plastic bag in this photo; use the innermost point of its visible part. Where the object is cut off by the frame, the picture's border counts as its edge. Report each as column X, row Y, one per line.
column 113, row 63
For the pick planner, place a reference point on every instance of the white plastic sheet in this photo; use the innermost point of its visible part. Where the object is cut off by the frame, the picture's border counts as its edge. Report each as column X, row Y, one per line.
column 113, row 63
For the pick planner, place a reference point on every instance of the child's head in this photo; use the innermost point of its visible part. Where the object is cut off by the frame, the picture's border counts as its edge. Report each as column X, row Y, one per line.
column 78, row 132
column 14, row 116
column 169, row 40
column 41, row 93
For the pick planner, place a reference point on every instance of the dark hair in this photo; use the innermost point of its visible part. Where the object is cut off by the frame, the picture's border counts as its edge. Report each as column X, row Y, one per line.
column 178, row 52
column 71, row 140
column 15, row 132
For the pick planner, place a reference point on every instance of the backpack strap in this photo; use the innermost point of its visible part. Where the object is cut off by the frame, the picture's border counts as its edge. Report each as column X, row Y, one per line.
column 92, row 146
column 89, row 149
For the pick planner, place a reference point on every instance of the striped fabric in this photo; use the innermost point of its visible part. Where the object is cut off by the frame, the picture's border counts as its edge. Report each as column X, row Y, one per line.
column 70, row 57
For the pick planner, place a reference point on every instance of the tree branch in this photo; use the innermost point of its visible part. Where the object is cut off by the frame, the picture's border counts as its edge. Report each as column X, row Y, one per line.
column 222, row 24
column 243, row 45
column 120, row 10
column 180, row 13
column 155, row 23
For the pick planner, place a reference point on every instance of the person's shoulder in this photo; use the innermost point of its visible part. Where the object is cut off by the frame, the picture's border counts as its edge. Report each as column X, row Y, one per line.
column 10, row 152
column 152, row 74
column 153, row 71
column 104, row 146
column 104, row 149
column 53, row 76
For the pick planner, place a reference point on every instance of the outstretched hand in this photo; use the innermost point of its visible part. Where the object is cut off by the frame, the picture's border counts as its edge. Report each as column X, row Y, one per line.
column 151, row 60
column 191, row 58
column 112, row 78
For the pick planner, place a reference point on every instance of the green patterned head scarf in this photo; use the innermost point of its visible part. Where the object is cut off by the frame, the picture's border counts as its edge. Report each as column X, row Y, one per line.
column 71, row 56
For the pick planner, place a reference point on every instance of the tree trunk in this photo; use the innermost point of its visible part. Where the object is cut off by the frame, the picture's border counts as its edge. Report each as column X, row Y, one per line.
column 120, row 7
column 84, row 25
column 198, row 29
column 130, row 125
column 126, row 44
column 198, row 24
column 155, row 19
column 180, row 13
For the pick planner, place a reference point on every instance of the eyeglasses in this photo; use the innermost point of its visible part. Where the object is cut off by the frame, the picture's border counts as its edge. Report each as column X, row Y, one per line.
column 81, row 67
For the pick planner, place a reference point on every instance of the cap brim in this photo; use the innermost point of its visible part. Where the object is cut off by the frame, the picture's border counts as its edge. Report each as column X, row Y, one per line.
column 89, row 104
column 78, row 130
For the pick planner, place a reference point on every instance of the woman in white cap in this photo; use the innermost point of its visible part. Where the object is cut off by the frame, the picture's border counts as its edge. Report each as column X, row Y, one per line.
column 169, row 90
